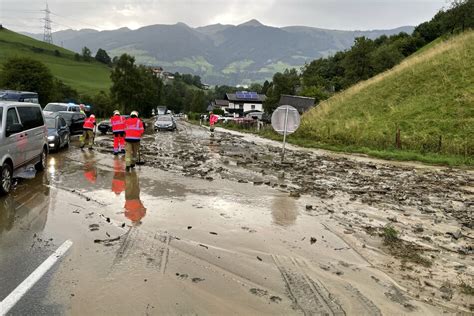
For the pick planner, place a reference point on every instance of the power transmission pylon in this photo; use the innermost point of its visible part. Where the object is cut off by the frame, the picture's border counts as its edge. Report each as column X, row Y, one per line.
column 47, row 37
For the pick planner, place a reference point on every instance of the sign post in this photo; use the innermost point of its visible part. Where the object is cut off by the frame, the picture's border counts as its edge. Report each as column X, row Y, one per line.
column 285, row 121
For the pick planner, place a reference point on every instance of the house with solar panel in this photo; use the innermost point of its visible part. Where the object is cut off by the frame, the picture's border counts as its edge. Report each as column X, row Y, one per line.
column 243, row 102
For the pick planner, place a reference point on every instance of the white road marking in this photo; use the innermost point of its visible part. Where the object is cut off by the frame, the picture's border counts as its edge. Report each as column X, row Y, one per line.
column 7, row 304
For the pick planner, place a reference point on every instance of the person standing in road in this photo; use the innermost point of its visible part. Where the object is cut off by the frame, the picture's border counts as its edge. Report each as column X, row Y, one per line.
column 88, row 134
column 212, row 120
column 118, row 128
column 133, row 134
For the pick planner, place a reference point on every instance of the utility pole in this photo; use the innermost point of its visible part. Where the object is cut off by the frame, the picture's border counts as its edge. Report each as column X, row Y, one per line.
column 47, row 37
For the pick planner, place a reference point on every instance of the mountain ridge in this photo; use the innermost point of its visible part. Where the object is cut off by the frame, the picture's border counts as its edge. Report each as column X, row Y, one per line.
column 219, row 53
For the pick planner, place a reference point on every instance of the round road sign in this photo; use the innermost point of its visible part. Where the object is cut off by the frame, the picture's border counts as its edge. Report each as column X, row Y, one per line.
column 287, row 118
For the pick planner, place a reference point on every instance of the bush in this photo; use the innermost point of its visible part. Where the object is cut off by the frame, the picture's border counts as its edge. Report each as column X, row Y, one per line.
column 218, row 111
column 390, row 234
column 194, row 116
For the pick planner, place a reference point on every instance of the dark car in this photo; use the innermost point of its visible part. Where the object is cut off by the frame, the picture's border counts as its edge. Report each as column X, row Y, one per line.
column 104, row 127
column 19, row 96
column 58, row 131
column 74, row 120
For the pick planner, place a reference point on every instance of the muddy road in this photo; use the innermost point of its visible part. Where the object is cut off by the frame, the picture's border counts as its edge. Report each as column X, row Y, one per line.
column 217, row 225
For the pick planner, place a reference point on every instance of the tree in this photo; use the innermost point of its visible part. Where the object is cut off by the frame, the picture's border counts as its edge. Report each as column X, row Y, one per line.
column 102, row 57
column 125, row 83
column 256, row 87
column 385, row 57
column 62, row 92
column 357, row 63
column 27, row 74
column 198, row 103
column 133, row 87
column 283, row 83
column 102, row 104
column 86, row 54
column 77, row 57
column 315, row 92
column 265, row 87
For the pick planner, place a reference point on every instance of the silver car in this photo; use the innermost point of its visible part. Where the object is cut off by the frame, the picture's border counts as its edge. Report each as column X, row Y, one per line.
column 165, row 122
column 23, row 140
column 58, row 107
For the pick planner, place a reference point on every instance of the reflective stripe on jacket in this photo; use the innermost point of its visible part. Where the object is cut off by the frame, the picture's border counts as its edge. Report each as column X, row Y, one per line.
column 89, row 123
column 133, row 128
column 118, row 123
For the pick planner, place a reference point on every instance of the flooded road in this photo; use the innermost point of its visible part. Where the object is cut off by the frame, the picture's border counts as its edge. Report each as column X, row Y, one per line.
column 216, row 225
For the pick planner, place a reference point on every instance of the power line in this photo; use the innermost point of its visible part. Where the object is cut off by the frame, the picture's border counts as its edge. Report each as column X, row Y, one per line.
column 73, row 19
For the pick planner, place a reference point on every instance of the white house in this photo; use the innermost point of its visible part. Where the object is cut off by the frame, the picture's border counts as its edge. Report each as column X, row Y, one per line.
column 243, row 102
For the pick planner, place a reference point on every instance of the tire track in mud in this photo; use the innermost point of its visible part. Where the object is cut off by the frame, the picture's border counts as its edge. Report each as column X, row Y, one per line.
column 308, row 295
column 134, row 245
column 369, row 307
column 154, row 249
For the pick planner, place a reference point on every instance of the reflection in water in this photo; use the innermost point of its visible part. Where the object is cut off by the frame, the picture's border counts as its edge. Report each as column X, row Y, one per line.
column 284, row 211
column 90, row 171
column 52, row 166
column 25, row 208
column 134, row 208
column 118, row 181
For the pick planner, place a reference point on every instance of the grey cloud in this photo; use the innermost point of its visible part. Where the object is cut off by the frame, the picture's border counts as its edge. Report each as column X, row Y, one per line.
column 108, row 14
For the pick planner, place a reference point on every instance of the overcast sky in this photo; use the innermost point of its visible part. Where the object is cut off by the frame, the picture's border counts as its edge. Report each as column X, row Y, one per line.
column 25, row 15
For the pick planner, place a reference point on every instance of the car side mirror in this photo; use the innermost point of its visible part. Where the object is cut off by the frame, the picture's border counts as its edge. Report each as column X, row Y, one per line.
column 14, row 128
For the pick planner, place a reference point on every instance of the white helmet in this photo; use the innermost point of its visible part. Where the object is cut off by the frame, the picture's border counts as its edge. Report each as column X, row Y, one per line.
column 92, row 116
column 116, row 112
column 134, row 113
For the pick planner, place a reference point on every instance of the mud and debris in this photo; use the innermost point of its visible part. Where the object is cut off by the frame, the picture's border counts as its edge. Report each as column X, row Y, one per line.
column 222, row 218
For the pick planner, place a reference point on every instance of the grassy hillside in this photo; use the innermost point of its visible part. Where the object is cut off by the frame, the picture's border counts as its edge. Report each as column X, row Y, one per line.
column 85, row 77
column 429, row 97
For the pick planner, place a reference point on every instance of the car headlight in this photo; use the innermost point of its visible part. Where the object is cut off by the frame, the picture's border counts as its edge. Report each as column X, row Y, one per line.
column 51, row 137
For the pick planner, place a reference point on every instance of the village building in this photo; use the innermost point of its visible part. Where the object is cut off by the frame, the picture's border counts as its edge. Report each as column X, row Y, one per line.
column 302, row 104
column 243, row 102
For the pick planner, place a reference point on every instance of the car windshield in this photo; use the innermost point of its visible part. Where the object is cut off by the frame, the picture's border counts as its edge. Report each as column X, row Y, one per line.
column 51, row 122
column 164, row 119
column 55, row 107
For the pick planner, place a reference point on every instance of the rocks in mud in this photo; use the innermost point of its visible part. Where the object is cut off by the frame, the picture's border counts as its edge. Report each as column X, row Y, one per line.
column 295, row 194
column 93, row 227
column 197, row 280
column 258, row 292
column 456, row 235
column 418, row 228
column 313, row 240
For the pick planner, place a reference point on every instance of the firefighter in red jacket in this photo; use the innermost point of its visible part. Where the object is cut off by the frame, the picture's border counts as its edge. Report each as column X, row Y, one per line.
column 133, row 134
column 118, row 128
column 134, row 208
column 88, row 134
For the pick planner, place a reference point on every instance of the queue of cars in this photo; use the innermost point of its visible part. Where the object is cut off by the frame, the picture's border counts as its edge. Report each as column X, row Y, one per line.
column 28, row 133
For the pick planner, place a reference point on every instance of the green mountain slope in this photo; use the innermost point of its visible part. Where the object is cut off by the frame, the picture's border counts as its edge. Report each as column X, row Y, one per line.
column 429, row 97
column 85, row 77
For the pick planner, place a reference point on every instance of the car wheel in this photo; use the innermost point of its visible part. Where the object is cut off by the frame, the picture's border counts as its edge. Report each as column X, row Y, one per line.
column 6, row 179
column 67, row 141
column 41, row 165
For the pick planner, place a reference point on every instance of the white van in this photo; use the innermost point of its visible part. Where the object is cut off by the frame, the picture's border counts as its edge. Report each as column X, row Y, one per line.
column 23, row 140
